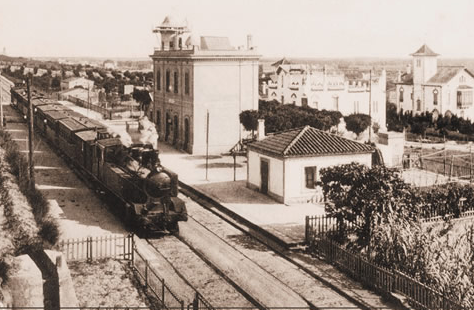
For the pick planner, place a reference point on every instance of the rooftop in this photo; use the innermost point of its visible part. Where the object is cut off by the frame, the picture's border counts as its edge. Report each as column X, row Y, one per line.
column 424, row 50
column 309, row 141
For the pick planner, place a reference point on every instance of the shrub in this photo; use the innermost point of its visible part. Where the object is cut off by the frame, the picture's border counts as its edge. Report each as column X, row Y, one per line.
column 49, row 231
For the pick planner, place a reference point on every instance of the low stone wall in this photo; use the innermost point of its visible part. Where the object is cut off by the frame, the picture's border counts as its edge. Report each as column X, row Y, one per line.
column 50, row 287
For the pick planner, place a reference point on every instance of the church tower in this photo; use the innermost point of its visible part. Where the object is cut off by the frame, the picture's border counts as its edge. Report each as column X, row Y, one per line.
column 425, row 64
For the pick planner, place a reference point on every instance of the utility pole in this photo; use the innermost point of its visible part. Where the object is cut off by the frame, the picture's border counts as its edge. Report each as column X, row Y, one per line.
column 207, row 143
column 30, row 133
column 370, row 105
column 1, row 101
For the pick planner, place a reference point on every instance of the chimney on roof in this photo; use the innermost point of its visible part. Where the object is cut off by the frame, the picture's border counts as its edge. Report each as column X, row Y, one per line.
column 249, row 42
column 399, row 76
column 408, row 69
column 261, row 130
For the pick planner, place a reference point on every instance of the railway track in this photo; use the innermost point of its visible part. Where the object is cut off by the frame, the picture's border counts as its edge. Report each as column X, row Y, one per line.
column 233, row 263
column 211, row 250
column 199, row 276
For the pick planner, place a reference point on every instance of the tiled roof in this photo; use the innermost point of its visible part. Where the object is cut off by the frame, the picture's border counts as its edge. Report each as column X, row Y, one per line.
column 216, row 44
column 308, row 141
column 407, row 79
column 282, row 61
column 444, row 75
column 424, row 50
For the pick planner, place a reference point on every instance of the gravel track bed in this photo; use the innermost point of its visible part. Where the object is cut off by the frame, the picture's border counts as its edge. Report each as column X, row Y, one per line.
column 302, row 283
column 208, row 283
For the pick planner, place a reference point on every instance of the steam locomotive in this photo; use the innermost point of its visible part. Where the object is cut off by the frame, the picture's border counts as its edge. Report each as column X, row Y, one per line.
column 133, row 175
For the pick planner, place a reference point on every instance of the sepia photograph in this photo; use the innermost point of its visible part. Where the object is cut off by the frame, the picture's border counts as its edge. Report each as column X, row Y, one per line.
column 236, row 154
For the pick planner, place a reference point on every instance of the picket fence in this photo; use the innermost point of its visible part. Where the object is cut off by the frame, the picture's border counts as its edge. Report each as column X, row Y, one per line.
column 421, row 296
column 123, row 247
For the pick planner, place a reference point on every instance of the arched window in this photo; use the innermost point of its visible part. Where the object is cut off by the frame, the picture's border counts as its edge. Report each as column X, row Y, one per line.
column 168, row 84
column 186, row 83
column 435, row 97
column 176, row 84
column 418, row 105
column 158, row 79
column 400, row 99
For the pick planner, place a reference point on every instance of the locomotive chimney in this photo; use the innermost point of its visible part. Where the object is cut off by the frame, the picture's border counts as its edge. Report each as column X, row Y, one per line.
column 261, row 130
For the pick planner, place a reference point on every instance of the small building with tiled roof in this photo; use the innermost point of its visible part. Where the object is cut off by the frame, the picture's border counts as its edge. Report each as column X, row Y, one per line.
column 441, row 90
column 74, row 82
column 286, row 165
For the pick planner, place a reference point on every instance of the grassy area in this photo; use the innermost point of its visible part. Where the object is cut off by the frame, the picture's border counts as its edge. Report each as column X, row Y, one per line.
column 106, row 283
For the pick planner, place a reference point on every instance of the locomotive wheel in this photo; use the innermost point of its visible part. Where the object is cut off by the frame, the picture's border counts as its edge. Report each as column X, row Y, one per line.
column 173, row 228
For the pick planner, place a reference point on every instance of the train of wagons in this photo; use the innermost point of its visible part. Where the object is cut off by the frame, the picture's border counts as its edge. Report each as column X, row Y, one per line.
column 146, row 191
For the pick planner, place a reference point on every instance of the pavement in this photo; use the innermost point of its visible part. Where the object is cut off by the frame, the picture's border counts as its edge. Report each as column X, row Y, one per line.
column 260, row 209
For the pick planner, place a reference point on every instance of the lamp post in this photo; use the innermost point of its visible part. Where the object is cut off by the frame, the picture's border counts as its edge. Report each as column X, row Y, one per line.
column 207, row 143
column 1, row 102
column 30, row 132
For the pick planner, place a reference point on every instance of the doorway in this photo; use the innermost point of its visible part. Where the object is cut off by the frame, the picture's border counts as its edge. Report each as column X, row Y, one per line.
column 264, row 176
column 167, row 129
column 186, row 134
column 175, row 130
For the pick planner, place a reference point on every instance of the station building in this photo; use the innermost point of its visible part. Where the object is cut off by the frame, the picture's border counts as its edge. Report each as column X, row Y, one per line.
column 200, row 76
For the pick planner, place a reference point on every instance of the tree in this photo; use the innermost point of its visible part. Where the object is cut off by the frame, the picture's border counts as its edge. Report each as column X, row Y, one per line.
column 357, row 123
column 56, row 83
column 249, row 119
column 394, row 122
column 143, row 97
column 363, row 196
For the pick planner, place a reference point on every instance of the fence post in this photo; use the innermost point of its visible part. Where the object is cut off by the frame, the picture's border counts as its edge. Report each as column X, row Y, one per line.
column 306, row 231
column 196, row 301
column 163, row 291
column 133, row 249
column 89, row 248
column 146, row 273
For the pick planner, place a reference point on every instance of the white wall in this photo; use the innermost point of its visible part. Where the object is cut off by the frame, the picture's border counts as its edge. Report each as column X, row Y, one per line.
column 275, row 173
column 225, row 89
column 295, row 187
column 287, row 178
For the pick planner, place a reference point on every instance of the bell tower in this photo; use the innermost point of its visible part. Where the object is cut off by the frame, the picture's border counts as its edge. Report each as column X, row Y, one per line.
column 425, row 64
column 171, row 34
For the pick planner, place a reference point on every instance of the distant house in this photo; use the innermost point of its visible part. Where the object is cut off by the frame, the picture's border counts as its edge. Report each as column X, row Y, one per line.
column 286, row 165
column 441, row 90
column 68, row 73
column 41, row 72
column 5, row 85
column 75, row 94
column 14, row 68
column 27, row 70
column 109, row 64
column 73, row 82
column 96, row 75
column 127, row 89
column 82, row 73
column 55, row 73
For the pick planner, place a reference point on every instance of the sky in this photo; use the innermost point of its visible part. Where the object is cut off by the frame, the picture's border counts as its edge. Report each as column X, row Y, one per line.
column 291, row 28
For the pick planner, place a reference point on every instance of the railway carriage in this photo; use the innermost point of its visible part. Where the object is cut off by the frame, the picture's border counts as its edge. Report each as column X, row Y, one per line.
column 147, row 190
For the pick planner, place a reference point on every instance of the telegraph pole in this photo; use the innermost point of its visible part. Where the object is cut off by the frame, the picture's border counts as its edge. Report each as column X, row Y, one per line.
column 1, row 101
column 30, row 133
column 370, row 105
column 207, row 143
